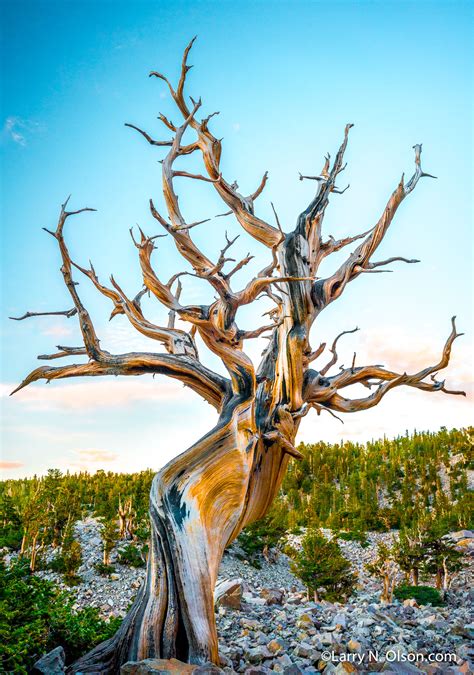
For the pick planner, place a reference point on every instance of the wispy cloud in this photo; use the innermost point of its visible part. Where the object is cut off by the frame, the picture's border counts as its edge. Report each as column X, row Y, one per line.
column 99, row 394
column 6, row 465
column 19, row 130
column 399, row 350
column 97, row 455
column 91, row 459
column 404, row 353
column 58, row 330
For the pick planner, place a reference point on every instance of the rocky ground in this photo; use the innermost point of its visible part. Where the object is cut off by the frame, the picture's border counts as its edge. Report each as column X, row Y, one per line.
column 269, row 625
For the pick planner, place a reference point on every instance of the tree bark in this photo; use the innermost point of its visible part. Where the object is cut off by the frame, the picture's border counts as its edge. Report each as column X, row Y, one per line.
column 197, row 507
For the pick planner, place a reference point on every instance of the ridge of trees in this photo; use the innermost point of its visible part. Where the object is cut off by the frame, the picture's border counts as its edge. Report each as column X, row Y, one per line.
column 348, row 487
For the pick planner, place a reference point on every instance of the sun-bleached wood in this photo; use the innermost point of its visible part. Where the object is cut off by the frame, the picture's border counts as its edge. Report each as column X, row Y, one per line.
column 201, row 500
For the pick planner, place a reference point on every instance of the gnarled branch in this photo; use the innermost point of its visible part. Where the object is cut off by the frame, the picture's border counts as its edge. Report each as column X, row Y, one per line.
column 66, row 312
column 323, row 391
column 327, row 290
column 212, row 387
column 211, row 151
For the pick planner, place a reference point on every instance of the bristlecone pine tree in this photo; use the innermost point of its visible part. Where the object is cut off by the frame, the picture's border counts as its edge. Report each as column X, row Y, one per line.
column 202, row 499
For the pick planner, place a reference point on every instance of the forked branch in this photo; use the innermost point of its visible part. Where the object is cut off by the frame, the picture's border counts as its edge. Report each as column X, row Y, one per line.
column 324, row 391
column 327, row 290
column 211, row 149
column 212, row 387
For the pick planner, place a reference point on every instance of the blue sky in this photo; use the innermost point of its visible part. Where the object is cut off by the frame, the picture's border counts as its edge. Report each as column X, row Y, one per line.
column 286, row 77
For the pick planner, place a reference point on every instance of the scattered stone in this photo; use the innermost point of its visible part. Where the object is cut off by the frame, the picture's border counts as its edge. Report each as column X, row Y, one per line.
column 157, row 667
column 340, row 620
column 275, row 646
column 345, row 667
column 461, row 534
column 272, row 596
column 228, row 593
column 397, row 668
column 304, row 621
column 258, row 654
column 51, row 663
column 276, row 628
column 354, row 646
column 303, row 650
column 252, row 624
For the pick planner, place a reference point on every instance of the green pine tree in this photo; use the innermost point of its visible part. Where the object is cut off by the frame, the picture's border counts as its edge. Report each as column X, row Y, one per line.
column 322, row 568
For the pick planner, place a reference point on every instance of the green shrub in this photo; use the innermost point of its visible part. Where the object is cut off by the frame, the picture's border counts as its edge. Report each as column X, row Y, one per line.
column 109, row 536
column 104, row 570
column 57, row 564
column 35, row 617
column 68, row 561
column 322, row 568
column 131, row 555
column 424, row 595
column 10, row 538
column 266, row 532
column 142, row 531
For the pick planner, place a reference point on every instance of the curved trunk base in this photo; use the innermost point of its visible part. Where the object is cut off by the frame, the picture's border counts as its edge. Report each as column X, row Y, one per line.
column 197, row 506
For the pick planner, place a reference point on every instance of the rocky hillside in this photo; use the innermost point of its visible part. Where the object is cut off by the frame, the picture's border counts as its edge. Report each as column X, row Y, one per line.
column 266, row 623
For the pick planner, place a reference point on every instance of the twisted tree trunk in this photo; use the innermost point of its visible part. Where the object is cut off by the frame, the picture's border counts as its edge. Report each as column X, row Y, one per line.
column 199, row 502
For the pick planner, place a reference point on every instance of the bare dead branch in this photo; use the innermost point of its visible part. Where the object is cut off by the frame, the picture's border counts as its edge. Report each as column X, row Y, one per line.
column 333, row 351
column 373, row 265
column 312, row 356
column 67, row 313
column 196, row 176
column 150, row 140
column 327, row 290
column 324, row 390
column 168, row 123
column 91, row 341
column 239, row 265
column 63, row 351
column 212, row 387
column 260, row 284
column 210, row 147
column 249, row 334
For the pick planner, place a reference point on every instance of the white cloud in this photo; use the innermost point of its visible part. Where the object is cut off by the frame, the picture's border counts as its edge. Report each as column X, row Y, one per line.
column 8, row 465
column 397, row 349
column 90, row 460
column 58, row 330
column 117, row 393
column 18, row 129
column 94, row 455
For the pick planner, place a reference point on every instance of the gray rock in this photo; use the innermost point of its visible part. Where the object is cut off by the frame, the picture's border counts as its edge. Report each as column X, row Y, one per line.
column 461, row 534
column 340, row 619
column 272, row 596
column 161, row 667
column 404, row 668
column 228, row 593
column 258, row 654
column 52, row 663
column 303, row 649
